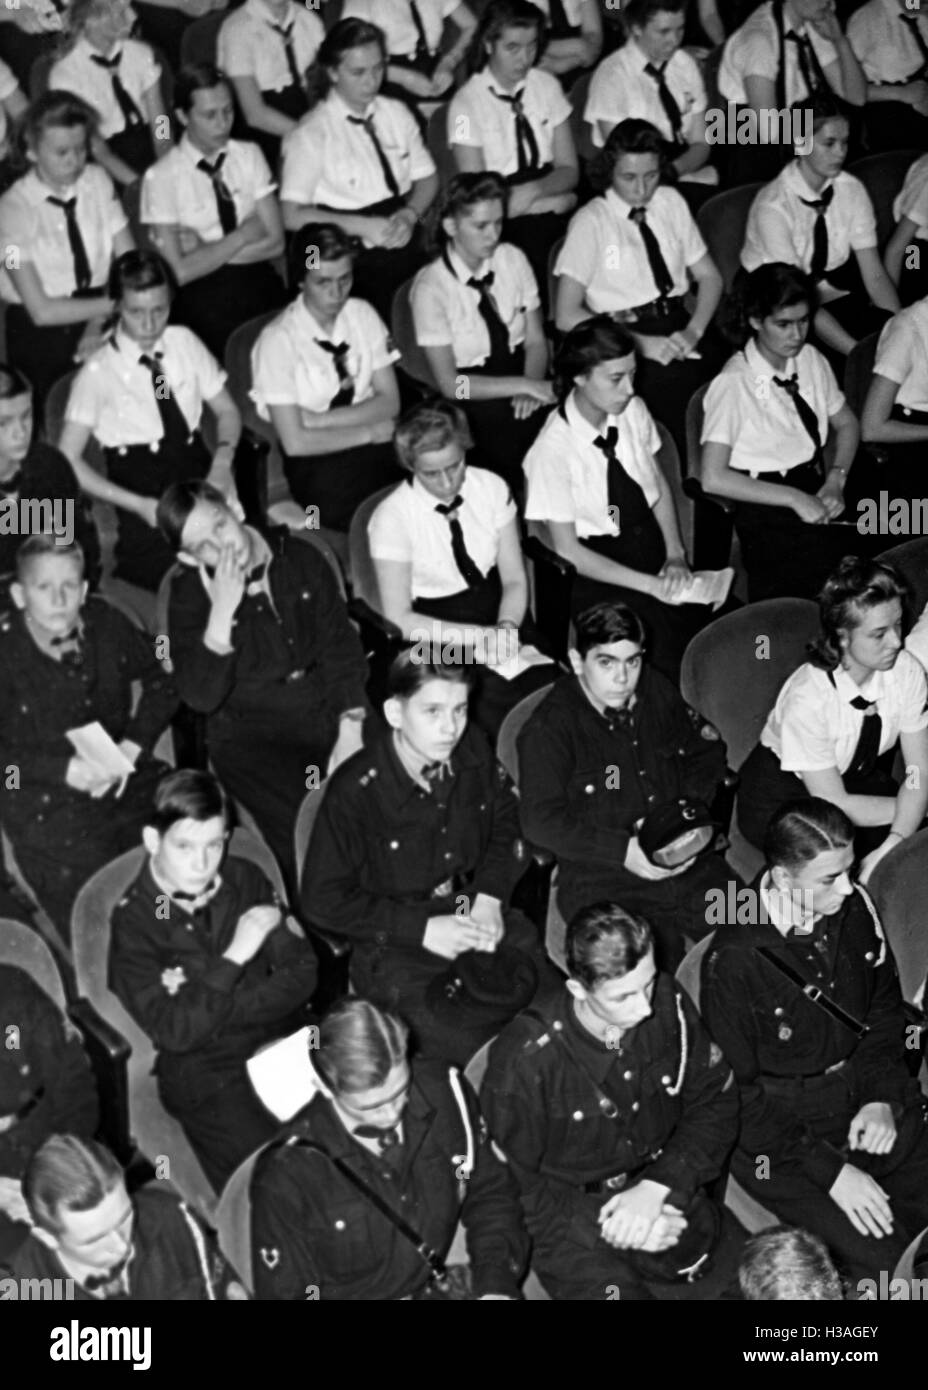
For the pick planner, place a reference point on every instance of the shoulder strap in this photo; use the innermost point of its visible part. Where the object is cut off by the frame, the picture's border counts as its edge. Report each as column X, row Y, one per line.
column 814, row 994
column 558, row 1031
column 438, row 1270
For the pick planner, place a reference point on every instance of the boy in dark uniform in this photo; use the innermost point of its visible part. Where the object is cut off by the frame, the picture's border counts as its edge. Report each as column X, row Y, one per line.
column 608, row 745
column 416, row 1137
column 416, row 850
column 205, row 959
column 262, row 644
column 833, row 1132
column 46, row 1086
column 68, row 663
column 32, row 471
column 615, row 1112
column 91, row 1241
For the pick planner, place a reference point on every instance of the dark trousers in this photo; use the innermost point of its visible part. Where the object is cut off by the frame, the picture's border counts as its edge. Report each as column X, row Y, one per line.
column 218, row 303
column 674, row 907
column 827, row 1109
column 535, row 234
column 142, row 554
column 590, row 1271
column 666, row 391
column 501, row 441
column 44, row 355
column 378, row 273
column 764, row 787
column 266, row 764
column 399, row 980
column 226, row 1126
column 894, row 125
column 339, row 482
column 59, row 847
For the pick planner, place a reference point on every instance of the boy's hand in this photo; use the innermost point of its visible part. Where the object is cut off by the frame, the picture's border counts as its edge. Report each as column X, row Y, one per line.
column 252, row 930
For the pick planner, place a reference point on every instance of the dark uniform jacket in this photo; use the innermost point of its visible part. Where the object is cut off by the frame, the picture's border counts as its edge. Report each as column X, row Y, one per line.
column 549, row 1084
column 46, row 475
column 586, row 778
column 386, row 855
column 223, row 1012
column 40, row 699
column 174, row 1257
column 45, row 1079
column 289, row 655
column 770, row 1031
column 316, row 1236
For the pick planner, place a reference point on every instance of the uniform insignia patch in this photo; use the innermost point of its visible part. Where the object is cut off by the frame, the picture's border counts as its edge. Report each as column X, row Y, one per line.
column 715, row 1054
column 270, row 1257
column 710, row 733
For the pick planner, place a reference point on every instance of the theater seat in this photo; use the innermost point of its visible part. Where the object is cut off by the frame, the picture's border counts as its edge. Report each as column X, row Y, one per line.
column 723, row 222
column 883, row 176
column 732, row 672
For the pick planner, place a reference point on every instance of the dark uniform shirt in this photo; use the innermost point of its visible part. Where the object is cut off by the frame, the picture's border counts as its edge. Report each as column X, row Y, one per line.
column 222, row 1012
column 770, row 1031
column 290, row 653
column 170, row 1262
column 547, row 1094
column 586, row 778
column 41, row 698
column 312, row 1230
column 46, row 475
column 45, row 1079
column 386, row 855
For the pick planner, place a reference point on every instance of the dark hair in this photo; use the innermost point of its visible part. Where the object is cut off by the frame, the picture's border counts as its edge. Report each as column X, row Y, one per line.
column 13, row 382
column 756, row 294
column 583, row 347
column 420, row 663
column 803, row 829
column 605, row 623
column 44, row 543
column 604, row 942
column 359, row 1045
column 177, row 502
column 341, row 39
column 55, row 108
column 197, row 77
column 786, row 1263
column 139, row 270
column 850, row 591
column 823, row 107
column 188, row 794
column 431, row 424
column 499, row 16
column 76, row 16
column 321, row 241
column 461, row 192
column 638, row 13
column 67, row 1174
column 631, row 136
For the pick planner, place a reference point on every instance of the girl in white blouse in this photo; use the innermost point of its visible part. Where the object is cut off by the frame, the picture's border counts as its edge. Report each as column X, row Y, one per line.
column 766, row 419
column 593, row 478
column 120, row 78
column 895, row 413
column 358, row 161
column 323, row 375
column 817, row 217
column 142, row 397
column 477, row 317
column 448, row 558
column 840, row 719
column 513, row 118
column 636, row 252
column 61, row 226
column 908, row 271
column 420, row 69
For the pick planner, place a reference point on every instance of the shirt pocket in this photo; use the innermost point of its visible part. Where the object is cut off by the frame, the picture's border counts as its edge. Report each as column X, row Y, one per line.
column 587, row 789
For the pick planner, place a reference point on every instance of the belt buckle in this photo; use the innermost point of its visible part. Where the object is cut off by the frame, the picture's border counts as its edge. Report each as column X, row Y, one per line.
column 617, row 1183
